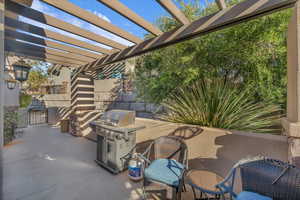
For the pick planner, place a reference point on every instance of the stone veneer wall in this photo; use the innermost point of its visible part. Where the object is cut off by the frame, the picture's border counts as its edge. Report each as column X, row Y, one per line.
column 109, row 95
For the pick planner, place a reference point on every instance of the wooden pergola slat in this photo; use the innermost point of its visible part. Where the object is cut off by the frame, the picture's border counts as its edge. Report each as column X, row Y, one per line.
column 53, row 35
column 174, row 11
column 40, row 56
column 123, row 10
column 35, row 40
column 40, row 41
column 221, row 4
column 25, row 46
column 244, row 11
column 42, row 59
column 76, row 11
column 57, row 23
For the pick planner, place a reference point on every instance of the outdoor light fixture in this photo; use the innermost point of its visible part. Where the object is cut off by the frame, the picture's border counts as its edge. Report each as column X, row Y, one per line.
column 21, row 70
column 11, row 83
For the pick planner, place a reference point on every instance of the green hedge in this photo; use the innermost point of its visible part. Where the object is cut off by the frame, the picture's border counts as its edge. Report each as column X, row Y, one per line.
column 25, row 100
column 10, row 124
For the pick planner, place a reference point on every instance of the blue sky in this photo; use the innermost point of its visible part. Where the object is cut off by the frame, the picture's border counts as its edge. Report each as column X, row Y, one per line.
column 148, row 9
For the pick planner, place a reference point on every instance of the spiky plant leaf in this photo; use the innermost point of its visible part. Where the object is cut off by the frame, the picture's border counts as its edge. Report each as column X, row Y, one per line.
column 219, row 104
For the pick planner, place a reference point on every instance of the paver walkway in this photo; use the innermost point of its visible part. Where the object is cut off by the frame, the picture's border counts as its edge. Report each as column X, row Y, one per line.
column 48, row 165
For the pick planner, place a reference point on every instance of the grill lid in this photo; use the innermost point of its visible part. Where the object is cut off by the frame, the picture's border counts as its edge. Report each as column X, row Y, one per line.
column 118, row 117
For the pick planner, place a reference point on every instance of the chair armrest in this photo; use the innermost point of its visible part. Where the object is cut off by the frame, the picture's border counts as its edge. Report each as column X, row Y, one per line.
column 146, row 153
column 129, row 154
column 226, row 186
column 143, row 155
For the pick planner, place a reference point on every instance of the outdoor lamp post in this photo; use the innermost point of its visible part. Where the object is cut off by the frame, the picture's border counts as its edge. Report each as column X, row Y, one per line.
column 21, row 70
column 11, row 83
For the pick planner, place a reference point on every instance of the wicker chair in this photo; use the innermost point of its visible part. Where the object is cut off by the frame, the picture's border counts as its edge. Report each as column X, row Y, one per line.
column 272, row 178
column 262, row 177
column 166, row 162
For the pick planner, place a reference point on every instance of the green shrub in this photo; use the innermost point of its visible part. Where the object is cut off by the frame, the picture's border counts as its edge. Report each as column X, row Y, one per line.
column 25, row 100
column 221, row 105
column 10, row 123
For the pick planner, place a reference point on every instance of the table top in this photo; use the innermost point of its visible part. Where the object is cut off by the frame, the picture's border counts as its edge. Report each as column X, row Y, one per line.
column 203, row 178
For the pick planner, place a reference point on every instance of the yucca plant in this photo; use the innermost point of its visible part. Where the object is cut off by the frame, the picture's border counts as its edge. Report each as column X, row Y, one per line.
column 219, row 104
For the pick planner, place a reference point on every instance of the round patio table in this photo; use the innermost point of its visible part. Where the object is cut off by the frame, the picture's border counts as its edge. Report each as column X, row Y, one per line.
column 204, row 181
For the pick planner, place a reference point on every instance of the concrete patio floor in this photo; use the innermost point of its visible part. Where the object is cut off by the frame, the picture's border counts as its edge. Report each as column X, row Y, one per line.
column 48, row 165
column 45, row 164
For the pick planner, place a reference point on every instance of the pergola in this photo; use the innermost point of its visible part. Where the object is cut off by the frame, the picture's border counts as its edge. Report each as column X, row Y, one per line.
column 53, row 47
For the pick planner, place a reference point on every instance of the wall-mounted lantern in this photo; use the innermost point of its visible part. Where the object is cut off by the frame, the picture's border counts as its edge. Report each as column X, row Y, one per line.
column 11, row 83
column 21, row 70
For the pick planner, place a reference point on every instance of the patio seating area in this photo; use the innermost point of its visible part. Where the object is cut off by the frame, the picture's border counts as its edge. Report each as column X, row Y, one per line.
column 109, row 136
column 48, row 164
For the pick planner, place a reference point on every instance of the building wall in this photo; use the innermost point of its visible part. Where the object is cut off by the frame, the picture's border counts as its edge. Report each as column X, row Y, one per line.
column 53, row 116
column 11, row 97
column 65, row 75
column 59, row 100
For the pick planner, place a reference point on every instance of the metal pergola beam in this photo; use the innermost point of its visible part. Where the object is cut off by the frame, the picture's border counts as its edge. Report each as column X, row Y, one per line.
column 123, row 10
column 15, row 45
column 230, row 16
column 76, row 11
column 48, row 43
column 53, row 35
column 174, row 11
column 60, row 24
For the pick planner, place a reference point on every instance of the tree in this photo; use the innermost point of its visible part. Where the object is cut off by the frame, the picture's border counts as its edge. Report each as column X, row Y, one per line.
column 37, row 75
column 252, row 54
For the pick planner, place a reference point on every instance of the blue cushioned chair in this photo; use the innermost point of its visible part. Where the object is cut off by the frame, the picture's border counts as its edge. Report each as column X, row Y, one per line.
column 166, row 162
column 261, row 178
column 245, row 195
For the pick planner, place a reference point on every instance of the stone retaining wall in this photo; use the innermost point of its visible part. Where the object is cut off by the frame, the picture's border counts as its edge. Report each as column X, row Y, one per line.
column 109, row 95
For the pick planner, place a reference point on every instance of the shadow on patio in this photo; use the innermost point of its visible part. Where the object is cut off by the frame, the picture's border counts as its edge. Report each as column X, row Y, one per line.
column 47, row 164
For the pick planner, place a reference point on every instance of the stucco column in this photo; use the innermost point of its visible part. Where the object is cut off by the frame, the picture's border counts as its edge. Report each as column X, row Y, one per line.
column 2, row 60
column 291, row 123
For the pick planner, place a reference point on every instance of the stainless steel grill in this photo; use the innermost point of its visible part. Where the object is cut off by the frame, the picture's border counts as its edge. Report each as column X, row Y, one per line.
column 116, row 136
column 118, row 118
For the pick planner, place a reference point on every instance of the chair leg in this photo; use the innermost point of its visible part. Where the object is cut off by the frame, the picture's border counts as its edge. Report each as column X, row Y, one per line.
column 184, row 188
column 144, row 196
column 178, row 195
column 194, row 192
column 144, row 188
column 164, row 195
column 174, row 193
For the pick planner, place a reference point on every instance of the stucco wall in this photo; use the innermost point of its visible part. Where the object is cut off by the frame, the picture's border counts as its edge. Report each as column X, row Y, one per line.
column 65, row 75
column 11, row 97
column 106, row 91
column 215, row 149
column 53, row 116
column 57, row 100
